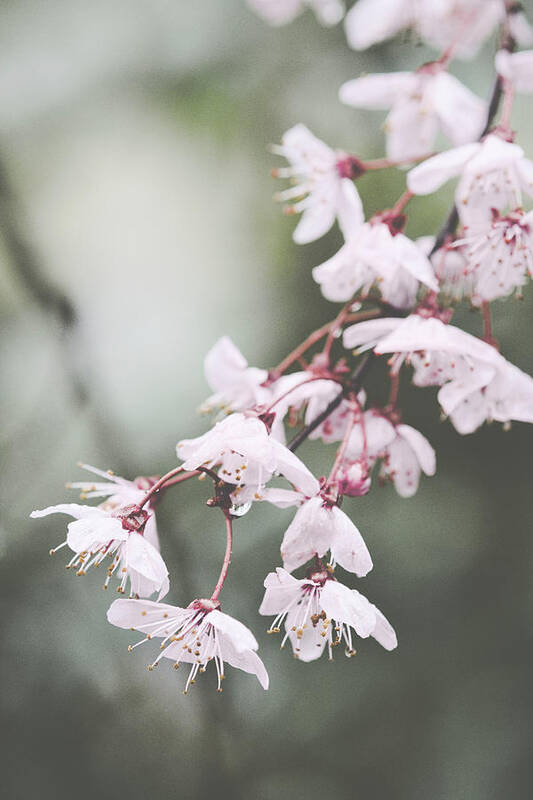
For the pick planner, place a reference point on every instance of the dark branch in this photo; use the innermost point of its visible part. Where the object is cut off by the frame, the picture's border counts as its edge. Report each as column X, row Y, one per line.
column 452, row 221
column 26, row 266
column 25, row 261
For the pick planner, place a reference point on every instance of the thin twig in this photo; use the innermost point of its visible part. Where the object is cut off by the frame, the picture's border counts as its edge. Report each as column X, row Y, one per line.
column 452, row 220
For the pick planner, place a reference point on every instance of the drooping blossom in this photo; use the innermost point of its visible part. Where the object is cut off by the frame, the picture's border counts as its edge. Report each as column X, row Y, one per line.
column 117, row 529
column 403, row 451
column 194, row 635
column 494, row 173
column 237, row 386
column 499, row 256
column 242, row 388
column 462, row 25
column 303, row 390
column 322, row 191
column 421, row 103
column 119, row 492
column 451, row 269
column 246, row 455
column 318, row 611
column 375, row 254
column 477, row 383
column 281, row 12
column 517, row 68
column 320, row 526
column 315, row 396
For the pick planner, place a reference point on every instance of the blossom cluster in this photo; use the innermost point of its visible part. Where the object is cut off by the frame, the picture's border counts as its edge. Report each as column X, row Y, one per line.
column 397, row 298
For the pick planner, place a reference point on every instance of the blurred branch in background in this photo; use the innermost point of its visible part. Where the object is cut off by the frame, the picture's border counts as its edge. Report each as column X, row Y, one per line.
column 25, row 263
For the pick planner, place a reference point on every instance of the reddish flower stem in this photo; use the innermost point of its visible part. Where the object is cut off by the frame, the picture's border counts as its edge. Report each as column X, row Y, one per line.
column 184, row 477
column 227, row 557
column 387, row 163
column 298, row 352
column 292, row 389
column 157, row 486
column 487, row 323
column 334, row 327
column 394, row 388
column 354, row 411
column 316, row 336
column 402, row 202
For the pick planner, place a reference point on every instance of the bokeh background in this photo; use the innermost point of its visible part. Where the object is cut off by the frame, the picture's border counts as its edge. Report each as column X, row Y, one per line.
column 137, row 227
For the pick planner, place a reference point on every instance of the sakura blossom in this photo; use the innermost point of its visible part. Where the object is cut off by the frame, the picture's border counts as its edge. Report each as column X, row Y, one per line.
column 397, row 299
column 517, row 68
column 97, row 533
column 322, row 192
column 376, row 254
column 421, row 103
column 280, row 12
column 403, row 451
column 499, row 258
column 451, row 269
column 237, row 386
column 195, row 635
column 314, row 394
column 320, row 526
column 119, row 492
column 478, row 384
column 442, row 24
column 246, row 454
column 320, row 612
column 494, row 173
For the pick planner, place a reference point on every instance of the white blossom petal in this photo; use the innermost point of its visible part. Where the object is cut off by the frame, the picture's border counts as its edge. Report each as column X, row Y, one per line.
column 421, row 447
column 348, row 606
column 371, row 21
column 238, row 634
column 379, row 91
column 434, row 172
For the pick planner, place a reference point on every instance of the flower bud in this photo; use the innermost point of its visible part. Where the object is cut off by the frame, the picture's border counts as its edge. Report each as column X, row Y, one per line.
column 353, row 479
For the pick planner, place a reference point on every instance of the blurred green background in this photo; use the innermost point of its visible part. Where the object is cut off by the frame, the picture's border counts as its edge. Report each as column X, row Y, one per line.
column 135, row 188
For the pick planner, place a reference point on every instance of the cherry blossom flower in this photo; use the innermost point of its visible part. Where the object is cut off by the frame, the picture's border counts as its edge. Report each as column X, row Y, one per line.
column 500, row 257
column 237, row 386
column 478, row 384
column 280, row 12
column 325, row 192
column 194, row 635
column 442, row 24
column 119, row 492
column 404, row 452
column 517, row 68
column 319, row 526
column 97, row 533
column 333, row 428
column 493, row 172
column 451, row 269
column 246, row 455
column 373, row 254
column 421, row 102
column 319, row 611
column 303, row 390
column 243, row 388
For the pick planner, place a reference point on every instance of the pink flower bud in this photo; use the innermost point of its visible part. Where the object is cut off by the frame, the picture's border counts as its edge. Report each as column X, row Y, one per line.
column 353, row 479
